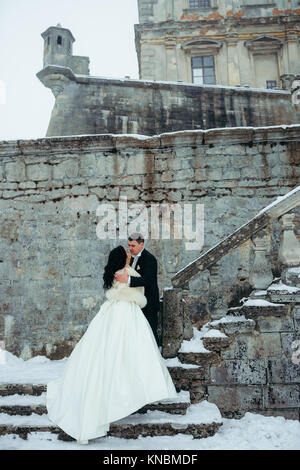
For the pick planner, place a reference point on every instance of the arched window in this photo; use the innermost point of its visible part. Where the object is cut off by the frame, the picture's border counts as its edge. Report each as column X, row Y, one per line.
column 48, row 40
column 59, row 40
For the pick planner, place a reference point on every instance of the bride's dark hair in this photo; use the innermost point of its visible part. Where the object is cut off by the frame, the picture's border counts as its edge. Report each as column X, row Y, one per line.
column 116, row 260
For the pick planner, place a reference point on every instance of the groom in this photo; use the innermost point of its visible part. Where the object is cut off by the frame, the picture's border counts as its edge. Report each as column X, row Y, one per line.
column 146, row 265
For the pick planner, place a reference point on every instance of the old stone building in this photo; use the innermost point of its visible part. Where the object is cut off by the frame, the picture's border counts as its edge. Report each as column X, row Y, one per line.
column 238, row 42
column 86, row 104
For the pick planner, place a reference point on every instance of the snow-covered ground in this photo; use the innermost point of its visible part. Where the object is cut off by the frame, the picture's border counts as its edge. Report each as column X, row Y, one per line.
column 252, row 432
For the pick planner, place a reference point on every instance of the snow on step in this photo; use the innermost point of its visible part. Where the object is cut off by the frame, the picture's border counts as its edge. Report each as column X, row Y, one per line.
column 195, row 344
column 283, row 287
column 199, row 413
column 175, row 362
column 33, row 420
column 37, row 370
column 31, row 400
column 23, row 400
column 260, row 303
column 182, row 397
column 232, row 319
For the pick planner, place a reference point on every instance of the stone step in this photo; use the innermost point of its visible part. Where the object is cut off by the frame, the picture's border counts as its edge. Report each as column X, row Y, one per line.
column 27, row 404
column 215, row 343
column 234, row 324
column 254, row 308
column 200, row 358
column 202, row 420
column 7, row 389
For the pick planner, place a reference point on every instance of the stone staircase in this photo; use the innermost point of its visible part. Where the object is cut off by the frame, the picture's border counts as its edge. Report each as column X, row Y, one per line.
column 248, row 348
column 23, row 411
column 250, row 354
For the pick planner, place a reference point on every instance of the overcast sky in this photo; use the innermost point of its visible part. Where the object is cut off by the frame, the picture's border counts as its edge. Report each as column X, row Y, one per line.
column 103, row 31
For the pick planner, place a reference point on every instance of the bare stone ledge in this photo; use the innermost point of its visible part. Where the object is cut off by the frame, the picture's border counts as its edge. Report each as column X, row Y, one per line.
column 216, row 344
column 255, row 311
column 22, row 389
column 199, row 358
column 125, row 431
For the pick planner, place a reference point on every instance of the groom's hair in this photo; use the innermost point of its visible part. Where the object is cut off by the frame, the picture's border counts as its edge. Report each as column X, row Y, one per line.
column 137, row 237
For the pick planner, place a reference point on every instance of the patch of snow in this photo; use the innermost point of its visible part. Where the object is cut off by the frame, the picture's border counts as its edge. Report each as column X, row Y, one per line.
column 296, row 270
column 232, row 319
column 23, row 400
column 37, row 370
column 213, row 333
column 251, row 432
column 283, row 287
column 204, row 412
column 182, row 397
column 195, row 344
column 260, row 292
column 260, row 303
column 175, row 362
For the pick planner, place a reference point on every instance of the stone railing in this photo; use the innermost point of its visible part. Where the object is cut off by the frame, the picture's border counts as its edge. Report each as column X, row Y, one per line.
column 176, row 323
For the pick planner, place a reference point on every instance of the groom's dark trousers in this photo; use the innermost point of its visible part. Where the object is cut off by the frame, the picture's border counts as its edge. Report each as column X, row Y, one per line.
column 146, row 266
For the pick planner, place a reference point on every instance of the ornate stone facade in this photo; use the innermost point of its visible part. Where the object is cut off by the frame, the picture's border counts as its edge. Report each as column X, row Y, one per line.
column 250, row 43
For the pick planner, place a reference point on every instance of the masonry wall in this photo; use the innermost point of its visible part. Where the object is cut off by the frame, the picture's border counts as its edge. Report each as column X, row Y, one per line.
column 51, row 260
column 91, row 105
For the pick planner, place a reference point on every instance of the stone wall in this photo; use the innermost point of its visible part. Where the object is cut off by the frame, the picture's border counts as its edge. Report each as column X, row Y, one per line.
column 94, row 105
column 51, row 260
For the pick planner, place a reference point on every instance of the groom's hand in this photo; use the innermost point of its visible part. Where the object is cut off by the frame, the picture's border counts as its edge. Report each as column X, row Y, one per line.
column 122, row 277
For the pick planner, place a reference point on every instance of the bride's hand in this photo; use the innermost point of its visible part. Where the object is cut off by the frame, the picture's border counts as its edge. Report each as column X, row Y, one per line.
column 128, row 257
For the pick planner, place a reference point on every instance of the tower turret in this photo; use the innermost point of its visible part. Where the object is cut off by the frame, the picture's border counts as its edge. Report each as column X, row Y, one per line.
column 58, row 46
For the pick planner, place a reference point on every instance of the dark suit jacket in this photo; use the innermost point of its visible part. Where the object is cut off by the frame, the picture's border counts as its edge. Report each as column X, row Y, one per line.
column 148, row 271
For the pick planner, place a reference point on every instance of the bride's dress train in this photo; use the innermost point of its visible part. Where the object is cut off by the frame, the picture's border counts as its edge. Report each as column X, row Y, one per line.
column 115, row 369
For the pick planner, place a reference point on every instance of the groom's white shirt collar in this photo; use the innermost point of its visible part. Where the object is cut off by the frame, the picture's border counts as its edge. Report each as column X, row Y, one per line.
column 139, row 254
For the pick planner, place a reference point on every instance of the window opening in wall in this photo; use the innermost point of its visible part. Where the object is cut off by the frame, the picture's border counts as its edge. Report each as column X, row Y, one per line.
column 199, row 3
column 48, row 40
column 203, row 70
column 59, row 40
column 271, row 83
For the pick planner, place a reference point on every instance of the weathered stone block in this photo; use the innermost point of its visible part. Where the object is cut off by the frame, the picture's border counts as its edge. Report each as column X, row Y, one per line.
column 235, row 327
column 254, row 311
column 248, row 372
column 15, row 171
column 270, row 323
column 140, row 164
column 201, row 174
column 258, row 346
column 282, row 396
column 27, row 185
column 39, row 172
column 297, row 318
column 65, row 169
column 283, row 371
column 238, row 397
column 287, row 340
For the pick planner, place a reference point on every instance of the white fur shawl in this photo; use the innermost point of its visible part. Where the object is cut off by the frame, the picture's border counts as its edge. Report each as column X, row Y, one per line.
column 121, row 291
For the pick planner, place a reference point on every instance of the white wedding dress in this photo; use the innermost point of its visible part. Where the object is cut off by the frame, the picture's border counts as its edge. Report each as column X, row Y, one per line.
column 115, row 369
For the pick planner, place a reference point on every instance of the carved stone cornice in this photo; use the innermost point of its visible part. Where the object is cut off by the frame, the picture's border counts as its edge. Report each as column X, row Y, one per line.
column 264, row 43
column 203, row 45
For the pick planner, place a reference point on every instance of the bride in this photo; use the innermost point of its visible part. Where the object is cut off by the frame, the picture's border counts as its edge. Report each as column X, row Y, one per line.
column 116, row 368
